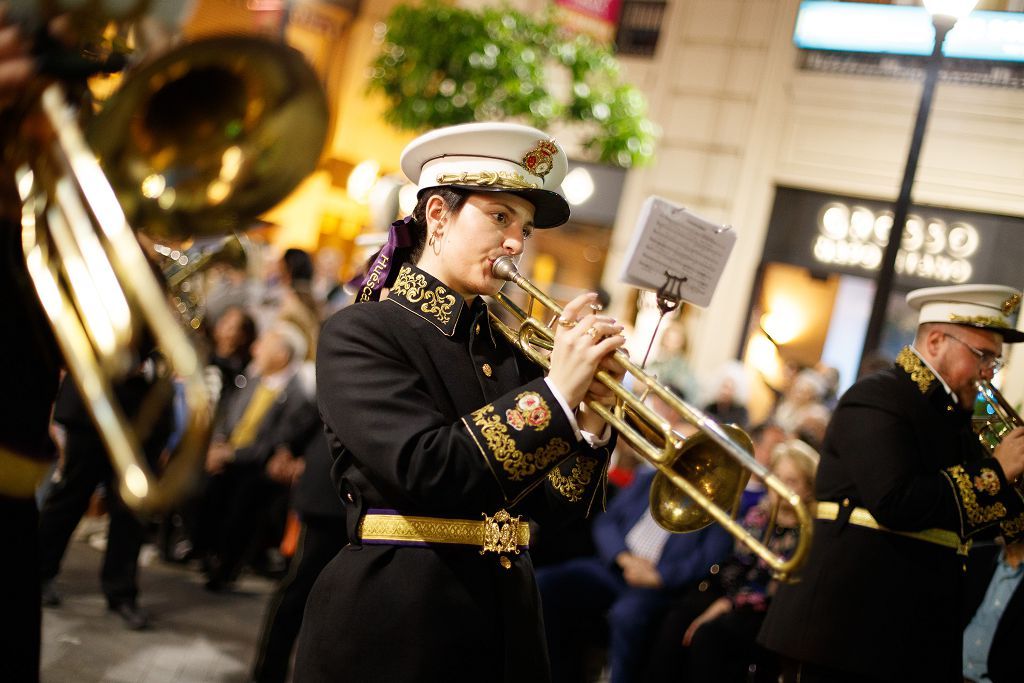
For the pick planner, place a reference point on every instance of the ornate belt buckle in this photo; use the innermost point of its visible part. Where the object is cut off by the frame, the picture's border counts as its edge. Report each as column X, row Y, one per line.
column 500, row 533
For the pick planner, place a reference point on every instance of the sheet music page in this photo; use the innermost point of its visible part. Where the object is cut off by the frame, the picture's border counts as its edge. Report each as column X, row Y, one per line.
column 673, row 244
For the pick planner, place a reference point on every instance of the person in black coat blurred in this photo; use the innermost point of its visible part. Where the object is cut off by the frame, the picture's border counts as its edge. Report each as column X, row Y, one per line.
column 305, row 459
column 86, row 465
column 30, row 366
column 903, row 485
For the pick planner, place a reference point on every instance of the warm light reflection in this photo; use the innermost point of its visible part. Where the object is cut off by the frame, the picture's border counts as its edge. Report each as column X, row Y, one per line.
column 783, row 323
column 218, row 191
column 167, row 199
column 135, row 481
column 362, row 179
column 230, row 163
column 763, row 355
column 153, row 185
column 578, row 186
column 407, row 199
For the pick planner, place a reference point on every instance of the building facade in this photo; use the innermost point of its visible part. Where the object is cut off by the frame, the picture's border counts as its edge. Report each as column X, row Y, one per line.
column 742, row 117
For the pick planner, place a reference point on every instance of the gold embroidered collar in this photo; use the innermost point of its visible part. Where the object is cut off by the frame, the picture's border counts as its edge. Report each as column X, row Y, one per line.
column 912, row 364
column 425, row 295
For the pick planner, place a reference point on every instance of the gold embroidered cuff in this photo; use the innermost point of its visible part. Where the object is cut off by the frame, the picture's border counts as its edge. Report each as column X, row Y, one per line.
column 522, row 435
column 829, row 510
column 977, row 487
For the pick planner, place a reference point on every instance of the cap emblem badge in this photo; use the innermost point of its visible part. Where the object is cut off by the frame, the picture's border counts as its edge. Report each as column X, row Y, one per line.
column 539, row 160
column 1011, row 304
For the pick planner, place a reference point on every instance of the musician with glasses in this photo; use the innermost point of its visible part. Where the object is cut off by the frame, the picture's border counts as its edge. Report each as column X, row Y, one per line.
column 445, row 437
column 904, row 485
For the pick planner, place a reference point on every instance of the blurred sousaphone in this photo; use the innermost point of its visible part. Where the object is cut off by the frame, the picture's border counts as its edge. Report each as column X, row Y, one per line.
column 197, row 142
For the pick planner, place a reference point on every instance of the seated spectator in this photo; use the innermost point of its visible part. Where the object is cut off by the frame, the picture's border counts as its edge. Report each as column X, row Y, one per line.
column 832, row 379
column 995, row 615
column 813, row 424
column 728, row 406
column 236, row 495
column 639, row 567
column 803, row 395
column 232, row 336
column 765, row 437
column 710, row 634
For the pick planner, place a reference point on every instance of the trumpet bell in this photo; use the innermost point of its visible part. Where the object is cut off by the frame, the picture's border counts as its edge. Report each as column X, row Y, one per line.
column 704, row 464
column 998, row 420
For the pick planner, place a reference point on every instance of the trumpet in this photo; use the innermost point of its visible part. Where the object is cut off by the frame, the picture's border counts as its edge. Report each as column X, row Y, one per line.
column 700, row 478
column 1000, row 419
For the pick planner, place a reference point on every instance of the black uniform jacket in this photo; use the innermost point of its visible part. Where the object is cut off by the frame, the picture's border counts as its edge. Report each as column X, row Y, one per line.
column 872, row 602
column 429, row 412
column 29, row 369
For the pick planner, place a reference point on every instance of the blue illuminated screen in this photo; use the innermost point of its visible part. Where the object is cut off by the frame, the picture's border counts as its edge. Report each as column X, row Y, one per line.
column 904, row 30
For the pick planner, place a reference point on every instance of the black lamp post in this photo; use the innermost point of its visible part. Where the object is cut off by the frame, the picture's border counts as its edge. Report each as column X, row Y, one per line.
column 945, row 14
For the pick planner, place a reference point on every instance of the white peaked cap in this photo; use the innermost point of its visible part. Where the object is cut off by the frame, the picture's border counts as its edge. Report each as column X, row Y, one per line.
column 493, row 157
column 990, row 307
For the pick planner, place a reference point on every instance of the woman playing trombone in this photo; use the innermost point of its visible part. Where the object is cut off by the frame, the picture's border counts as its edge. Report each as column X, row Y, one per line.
column 445, row 438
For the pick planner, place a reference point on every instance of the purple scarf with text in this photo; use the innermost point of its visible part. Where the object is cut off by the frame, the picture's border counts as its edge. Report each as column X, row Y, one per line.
column 369, row 285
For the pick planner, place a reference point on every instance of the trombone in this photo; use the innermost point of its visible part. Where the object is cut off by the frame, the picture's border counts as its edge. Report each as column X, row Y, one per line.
column 694, row 467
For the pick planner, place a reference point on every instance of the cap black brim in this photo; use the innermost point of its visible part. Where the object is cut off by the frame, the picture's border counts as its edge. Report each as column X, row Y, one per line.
column 549, row 208
column 1010, row 336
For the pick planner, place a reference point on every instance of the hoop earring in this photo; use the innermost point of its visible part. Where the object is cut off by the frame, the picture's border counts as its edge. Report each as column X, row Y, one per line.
column 434, row 244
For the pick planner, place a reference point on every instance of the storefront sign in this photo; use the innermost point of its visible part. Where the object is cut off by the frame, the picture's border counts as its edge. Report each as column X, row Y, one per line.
column 855, row 236
column 830, row 233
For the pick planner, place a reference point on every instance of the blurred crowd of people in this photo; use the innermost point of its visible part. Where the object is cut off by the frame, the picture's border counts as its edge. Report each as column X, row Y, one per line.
column 264, row 502
column 621, row 596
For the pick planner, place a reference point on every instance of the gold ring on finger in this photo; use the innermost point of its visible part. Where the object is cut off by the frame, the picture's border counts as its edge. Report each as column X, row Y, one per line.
column 565, row 322
column 592, row 331
column 596, row 308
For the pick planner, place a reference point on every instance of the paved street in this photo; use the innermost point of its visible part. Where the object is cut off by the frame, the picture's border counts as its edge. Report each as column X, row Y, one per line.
column 196, row 636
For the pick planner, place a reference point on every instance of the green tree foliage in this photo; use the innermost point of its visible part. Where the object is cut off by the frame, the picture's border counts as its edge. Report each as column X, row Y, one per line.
column 441, row 65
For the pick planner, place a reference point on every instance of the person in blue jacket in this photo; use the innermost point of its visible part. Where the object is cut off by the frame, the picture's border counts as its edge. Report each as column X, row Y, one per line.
column 638, row 569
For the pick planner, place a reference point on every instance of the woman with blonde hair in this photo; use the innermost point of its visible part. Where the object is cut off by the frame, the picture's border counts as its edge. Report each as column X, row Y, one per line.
column 719, row 645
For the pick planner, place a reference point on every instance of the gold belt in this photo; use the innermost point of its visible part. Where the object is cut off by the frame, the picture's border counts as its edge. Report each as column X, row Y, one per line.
column 20, row 475
column 501, row 533
column 829, row 510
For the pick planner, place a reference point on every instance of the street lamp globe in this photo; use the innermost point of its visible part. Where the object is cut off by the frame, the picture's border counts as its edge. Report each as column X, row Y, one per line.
column 953, row 9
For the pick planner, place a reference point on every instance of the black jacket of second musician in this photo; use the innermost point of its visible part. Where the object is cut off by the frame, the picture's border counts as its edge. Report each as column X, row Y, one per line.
column 430, row 413
column 874, row 602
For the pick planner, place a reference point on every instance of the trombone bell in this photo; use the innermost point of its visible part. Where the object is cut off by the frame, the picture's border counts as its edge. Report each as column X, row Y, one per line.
column 704, row 464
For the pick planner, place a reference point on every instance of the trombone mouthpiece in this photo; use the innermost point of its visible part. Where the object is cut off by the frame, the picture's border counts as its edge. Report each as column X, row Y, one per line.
column 504, row 268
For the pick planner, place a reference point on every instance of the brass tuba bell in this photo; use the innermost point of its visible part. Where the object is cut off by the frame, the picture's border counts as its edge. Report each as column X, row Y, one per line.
column 197, row 142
